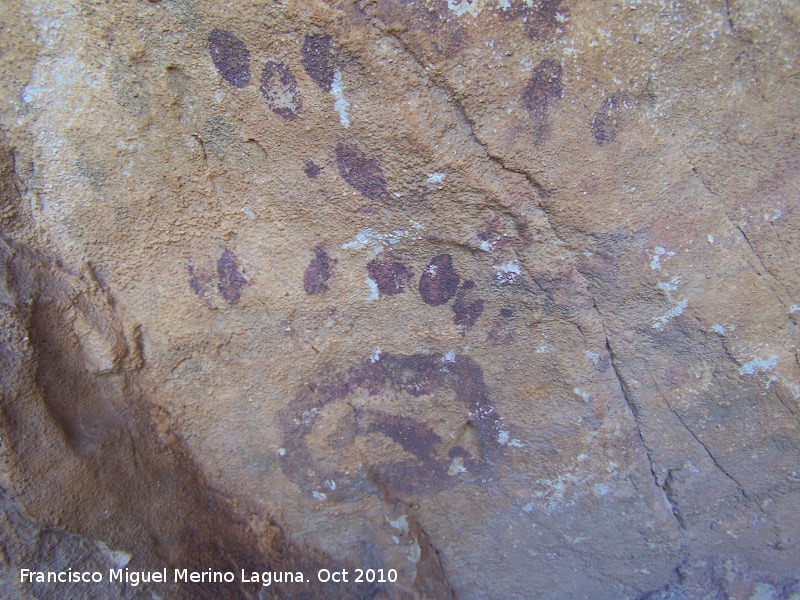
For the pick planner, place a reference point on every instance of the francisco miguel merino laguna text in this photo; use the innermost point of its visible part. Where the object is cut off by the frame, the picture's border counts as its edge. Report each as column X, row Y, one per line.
column 134, row 578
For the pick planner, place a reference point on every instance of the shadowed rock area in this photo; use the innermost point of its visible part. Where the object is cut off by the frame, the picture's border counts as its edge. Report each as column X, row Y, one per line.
column 487, row 299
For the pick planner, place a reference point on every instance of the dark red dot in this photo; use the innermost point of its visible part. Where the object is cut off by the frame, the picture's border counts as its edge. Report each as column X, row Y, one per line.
column 439, row 280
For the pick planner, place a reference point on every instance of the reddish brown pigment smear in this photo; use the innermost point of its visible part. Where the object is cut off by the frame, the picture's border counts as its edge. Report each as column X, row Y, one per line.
column 363, row 173
column 280, row 90
column 439, row 280
column 318, row 272
column 467, row 309
column 502, row 331
column 608, row 120
column 311, row 169
column 231, row 57
column 198, row 279
column 544, row 88
column 231, row 281
column 390, row 276
column 319, row 60
column 427, row 472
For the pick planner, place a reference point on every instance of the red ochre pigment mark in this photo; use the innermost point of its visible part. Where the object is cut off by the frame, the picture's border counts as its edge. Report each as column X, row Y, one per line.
column 280, row 90
column 390, row 276
column 311, row 169
column 502, row 330
column 431, row 26
column 426, row 462
column 467, row 308
column 319, row 60
column 318, row 272
column 231, row 281
column 413, row 436
column 608, row 120
column 199, row 279
column 543, row 88
column 231, row 57
column 538, row 18
column 439, row 280
column 362, row 173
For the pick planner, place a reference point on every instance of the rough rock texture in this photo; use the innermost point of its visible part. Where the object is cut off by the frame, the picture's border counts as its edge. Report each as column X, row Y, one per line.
column 502, row 295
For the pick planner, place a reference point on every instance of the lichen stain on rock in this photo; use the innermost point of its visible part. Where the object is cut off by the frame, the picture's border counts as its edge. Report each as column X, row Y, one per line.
column 231, row 57
column 279, row 87
column 218, row 136
column 231, row 281
column 319, row 60
column 362, row 173
column 439, row 280
column 390, row 276
column 543, row 88
column 318, row 272
column 467, row 309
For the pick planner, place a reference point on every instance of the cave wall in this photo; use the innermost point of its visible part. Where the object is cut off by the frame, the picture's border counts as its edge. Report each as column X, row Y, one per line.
column 500, row 295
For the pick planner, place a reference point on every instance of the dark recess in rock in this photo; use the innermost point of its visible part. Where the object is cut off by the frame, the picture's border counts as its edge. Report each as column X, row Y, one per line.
column 231, row 281
column 439, row 280
column 318, row 60
column 318, row 272
column 363, row 173
column 231, row 57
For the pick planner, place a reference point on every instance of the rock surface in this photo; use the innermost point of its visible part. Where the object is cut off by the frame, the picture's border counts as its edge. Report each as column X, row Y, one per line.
column 502, row 295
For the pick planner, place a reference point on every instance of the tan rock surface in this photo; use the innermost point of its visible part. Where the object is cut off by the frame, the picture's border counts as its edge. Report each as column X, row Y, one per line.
column 500, row 295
